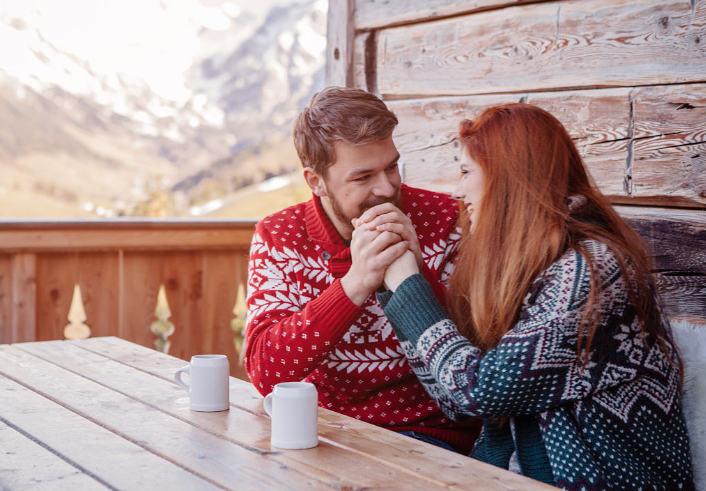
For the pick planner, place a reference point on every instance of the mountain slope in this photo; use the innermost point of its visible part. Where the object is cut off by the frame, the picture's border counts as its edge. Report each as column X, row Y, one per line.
column 212, row 107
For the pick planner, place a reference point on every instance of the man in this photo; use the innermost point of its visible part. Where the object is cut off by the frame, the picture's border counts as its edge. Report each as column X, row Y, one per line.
column 312, row 310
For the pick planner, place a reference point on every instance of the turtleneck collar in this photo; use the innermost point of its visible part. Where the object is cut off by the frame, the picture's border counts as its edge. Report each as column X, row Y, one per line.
column 322, row 231
column 319, row 226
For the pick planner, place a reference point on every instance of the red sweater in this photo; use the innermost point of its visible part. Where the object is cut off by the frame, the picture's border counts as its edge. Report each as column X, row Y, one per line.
column 302, row 326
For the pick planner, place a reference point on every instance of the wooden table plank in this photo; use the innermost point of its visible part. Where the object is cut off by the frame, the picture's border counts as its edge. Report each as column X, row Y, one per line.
column 332, row 465
column 376, row 443
column 242, row 394
column 26, row 465
column 214, row 459
column 95, row 450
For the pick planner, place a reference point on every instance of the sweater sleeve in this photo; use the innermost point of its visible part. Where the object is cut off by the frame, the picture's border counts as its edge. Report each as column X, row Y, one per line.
column 402, row 329
column 535, row 366
column 438, row 261
column 288, row 332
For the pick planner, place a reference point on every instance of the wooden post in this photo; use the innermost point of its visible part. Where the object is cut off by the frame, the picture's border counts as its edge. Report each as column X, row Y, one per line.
column 339, row 48
column 24, row 297
column 5, row 298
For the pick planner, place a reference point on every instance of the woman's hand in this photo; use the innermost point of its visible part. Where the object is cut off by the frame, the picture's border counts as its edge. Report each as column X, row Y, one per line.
column 372, row 252
column 386, row 217
column 402, row 268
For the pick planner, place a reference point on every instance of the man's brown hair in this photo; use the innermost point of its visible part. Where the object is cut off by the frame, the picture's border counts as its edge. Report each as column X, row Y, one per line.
column 335, row 114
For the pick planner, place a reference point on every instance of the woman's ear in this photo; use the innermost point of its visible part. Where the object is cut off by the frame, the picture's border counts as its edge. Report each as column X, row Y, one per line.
column 315, row 181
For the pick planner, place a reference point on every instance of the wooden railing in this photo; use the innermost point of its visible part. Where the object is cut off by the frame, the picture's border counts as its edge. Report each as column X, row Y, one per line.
column 177, row 286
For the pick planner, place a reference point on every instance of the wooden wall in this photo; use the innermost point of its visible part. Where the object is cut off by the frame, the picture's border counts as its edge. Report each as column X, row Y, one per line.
column 626, row 77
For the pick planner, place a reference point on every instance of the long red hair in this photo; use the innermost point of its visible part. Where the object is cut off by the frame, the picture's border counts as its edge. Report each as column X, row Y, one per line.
column 531, row 167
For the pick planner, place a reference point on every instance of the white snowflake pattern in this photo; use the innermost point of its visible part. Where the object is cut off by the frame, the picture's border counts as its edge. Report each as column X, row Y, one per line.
column 278, row 301
column 265, row 275
column 350, row 360
column 258, row 246
column 294, row 261
column 434, row 255
column 371, row 327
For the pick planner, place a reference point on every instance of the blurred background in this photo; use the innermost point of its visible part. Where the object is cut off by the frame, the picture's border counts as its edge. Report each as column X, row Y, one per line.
column 154, row 108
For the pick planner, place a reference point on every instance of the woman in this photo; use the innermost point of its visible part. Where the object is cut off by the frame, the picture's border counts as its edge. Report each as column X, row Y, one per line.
column 553, row 334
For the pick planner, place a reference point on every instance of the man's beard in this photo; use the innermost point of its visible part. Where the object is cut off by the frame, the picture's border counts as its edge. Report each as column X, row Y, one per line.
column 374, row 201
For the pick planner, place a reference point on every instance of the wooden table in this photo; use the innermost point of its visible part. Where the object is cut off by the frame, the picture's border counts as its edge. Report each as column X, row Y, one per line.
column 105, row 414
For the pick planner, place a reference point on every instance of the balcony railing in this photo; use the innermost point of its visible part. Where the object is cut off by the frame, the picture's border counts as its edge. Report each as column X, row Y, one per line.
column 178, row 286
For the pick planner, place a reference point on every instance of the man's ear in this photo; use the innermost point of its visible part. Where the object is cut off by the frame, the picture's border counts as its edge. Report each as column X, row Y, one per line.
column 315, row 181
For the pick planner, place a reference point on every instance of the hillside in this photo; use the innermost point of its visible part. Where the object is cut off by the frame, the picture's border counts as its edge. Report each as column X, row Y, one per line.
column 197, row 104
column 260, row 200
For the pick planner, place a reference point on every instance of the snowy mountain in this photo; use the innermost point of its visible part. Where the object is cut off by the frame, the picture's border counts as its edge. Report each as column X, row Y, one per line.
column 272, row 74
column 108, row 103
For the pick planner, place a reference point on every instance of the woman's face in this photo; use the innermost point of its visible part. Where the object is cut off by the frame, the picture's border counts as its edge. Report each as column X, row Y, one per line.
column 470, row 187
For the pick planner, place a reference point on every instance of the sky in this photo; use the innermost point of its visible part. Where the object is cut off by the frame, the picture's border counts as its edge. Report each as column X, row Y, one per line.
column 150, row 40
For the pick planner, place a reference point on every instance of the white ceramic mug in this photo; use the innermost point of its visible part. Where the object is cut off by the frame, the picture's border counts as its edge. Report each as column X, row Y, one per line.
column 293, row 408
column 208, row 382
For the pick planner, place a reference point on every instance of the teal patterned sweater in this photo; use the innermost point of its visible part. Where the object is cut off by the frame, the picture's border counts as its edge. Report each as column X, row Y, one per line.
column 616, row 425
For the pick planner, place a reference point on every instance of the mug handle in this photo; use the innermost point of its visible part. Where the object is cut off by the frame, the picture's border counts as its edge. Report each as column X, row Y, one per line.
column 267, row 404
column 179, row 381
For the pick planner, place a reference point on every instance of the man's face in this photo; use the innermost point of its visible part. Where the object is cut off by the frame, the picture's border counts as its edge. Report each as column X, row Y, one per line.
column 360, row 178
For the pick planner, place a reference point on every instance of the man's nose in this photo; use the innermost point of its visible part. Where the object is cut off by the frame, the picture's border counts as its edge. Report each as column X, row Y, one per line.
column 384, row 187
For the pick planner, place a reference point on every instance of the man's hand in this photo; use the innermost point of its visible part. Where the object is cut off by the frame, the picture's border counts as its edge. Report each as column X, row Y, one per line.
column 371, row 253
column 402, row 268
column 388, row 218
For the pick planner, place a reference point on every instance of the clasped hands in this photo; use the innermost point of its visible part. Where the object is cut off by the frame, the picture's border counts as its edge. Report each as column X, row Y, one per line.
column 384, row 250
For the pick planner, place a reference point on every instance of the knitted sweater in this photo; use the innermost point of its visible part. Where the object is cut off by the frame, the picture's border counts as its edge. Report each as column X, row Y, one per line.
column 302, row 326
column 616, row 425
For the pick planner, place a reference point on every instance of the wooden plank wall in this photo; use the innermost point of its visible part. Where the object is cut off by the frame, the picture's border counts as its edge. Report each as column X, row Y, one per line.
column 120, row 268
column 626, row 77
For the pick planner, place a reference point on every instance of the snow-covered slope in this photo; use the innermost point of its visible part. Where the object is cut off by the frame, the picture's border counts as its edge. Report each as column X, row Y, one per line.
column 137, row 90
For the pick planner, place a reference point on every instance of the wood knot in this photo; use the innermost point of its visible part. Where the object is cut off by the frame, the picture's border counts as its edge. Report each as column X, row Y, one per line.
column 664, row 21
column 336, row 54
